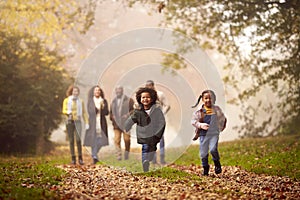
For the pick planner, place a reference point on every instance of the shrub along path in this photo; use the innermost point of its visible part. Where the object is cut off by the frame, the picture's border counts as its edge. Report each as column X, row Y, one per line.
column 104, row 182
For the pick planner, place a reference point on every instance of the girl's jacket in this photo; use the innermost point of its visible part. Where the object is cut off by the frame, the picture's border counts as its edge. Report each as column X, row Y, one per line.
column 200, row 116
column 150, row 128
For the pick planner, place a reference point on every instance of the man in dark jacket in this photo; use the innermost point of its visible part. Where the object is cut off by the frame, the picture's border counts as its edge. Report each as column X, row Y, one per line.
column 120, row 109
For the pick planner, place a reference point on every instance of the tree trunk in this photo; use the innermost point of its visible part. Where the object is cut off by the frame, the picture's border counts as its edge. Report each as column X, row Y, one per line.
column 40, row 139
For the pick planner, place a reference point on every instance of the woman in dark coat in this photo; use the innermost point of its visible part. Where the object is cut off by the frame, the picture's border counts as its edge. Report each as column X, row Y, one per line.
column 97, row 135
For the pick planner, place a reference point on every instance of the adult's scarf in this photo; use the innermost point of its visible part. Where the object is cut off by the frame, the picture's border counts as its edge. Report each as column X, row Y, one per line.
column 78, row 105
column 98, row 102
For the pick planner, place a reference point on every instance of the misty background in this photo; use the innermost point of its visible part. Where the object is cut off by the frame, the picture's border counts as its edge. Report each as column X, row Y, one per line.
column 113, row 18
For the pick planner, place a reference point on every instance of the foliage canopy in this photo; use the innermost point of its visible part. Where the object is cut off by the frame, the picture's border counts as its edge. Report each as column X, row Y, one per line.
column 261, row 42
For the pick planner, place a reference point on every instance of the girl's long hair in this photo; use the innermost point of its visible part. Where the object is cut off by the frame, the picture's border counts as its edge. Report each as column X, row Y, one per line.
column 213, row 95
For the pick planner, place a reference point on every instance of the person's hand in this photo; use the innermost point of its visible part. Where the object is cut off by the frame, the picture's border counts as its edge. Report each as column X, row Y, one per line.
column 203, row 126
column 87, row 126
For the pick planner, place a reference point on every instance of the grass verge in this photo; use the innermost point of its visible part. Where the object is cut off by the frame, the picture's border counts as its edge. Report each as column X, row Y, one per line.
column 278, row 155
column 30, row 178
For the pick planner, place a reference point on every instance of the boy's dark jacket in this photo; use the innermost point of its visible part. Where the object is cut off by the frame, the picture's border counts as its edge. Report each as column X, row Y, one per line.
column 150, row 128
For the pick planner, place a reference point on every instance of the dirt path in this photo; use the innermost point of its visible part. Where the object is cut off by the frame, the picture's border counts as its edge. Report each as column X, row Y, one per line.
column 104, row 182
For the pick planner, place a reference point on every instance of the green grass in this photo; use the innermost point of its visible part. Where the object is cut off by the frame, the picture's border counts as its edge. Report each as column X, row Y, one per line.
column 30, row 177
column 28, row 180
column 273, row 155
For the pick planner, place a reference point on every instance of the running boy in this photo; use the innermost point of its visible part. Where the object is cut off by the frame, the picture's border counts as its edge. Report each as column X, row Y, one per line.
column 150, row 122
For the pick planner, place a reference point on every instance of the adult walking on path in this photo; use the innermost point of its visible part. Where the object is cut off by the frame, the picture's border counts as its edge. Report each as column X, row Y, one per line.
column 120, row 109
column 97, row 134
column 74, row 110
column 165, row 107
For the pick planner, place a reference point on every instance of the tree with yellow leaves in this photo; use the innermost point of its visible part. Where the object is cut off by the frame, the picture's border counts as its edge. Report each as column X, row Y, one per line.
column 32, row 77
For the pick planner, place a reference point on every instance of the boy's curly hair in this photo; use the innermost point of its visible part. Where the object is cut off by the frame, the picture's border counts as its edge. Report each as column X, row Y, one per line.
column 152, row 92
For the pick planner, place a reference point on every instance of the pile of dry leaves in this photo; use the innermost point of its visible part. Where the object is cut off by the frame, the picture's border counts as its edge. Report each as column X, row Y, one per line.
column 104, row 182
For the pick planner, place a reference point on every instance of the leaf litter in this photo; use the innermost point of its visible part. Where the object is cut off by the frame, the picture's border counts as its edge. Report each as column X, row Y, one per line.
column 106, row 182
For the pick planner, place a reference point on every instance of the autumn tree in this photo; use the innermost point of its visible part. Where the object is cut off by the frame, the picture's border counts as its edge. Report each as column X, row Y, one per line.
column 261, row 42
column 32, row 75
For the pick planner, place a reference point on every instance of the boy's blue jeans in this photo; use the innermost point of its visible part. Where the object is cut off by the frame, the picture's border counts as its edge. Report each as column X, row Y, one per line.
column 209, row 143
column 148, row 152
